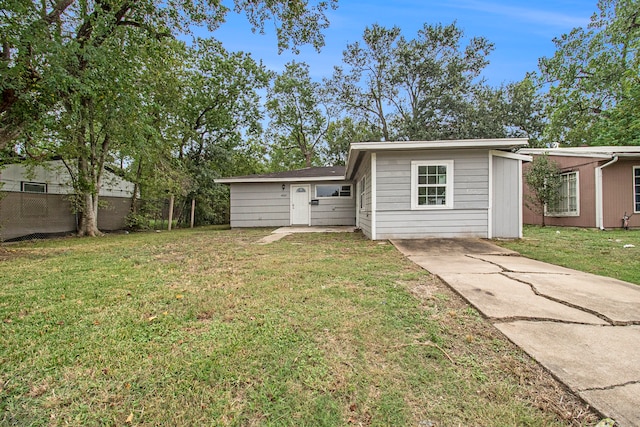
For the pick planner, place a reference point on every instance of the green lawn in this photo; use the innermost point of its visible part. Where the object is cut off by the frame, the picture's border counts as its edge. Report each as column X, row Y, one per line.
column 205, row 327
column 584, row 249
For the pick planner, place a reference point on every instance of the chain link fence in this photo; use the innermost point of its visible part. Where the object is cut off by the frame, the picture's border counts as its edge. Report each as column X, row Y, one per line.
column 27, row 216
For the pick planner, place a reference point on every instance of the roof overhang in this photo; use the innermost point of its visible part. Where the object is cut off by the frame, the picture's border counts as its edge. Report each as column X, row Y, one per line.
column 596, row 152
column 248, row 180
column 358, row 149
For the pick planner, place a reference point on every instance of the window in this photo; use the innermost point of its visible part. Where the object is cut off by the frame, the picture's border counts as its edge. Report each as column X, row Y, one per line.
column 33, row 187
column 333, row 191
column 636, row 188
column 568, row 202
column 363, row 192
column 432, row 185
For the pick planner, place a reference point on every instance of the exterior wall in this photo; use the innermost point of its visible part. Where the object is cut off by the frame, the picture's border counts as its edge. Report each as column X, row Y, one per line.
column 364, row 214
column 617, row 194
column 469, row 217
column 268, row 205
column 334, row 210
column 585, row 166
column 259, row 205
column 58, row 181
column 506, row 198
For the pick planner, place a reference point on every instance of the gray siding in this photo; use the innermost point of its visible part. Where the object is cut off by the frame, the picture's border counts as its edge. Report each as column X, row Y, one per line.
column 259, row 205
column 469, row 216
column 506, row 198
column 267, row 205
column 334, row 210
column 365, row 213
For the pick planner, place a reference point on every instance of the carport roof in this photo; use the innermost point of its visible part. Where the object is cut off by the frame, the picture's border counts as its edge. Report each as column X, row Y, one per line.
column 329, row 173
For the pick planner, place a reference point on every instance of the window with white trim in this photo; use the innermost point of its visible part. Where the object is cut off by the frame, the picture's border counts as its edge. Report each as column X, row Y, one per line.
column 568, row 203
column 363, row 192
column 432, row 184
column 33, row 187
column 636, row 188
column 324, row 191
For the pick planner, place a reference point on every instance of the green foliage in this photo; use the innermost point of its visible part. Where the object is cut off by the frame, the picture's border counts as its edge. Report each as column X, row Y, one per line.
column 593, row 79
column 543, row 179
column 340, row 135
column 301, row 114
column 430, row 87
column 98, row 83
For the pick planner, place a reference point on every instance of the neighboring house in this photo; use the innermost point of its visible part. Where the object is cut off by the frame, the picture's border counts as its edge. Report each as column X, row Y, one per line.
column 401, row 190
column 35, row 201
column 599, row 186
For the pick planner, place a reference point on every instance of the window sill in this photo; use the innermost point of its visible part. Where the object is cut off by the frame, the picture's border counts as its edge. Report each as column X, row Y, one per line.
column 562, row 215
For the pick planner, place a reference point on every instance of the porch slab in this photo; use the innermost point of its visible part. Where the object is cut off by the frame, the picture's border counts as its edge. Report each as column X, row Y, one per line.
column 281, row 232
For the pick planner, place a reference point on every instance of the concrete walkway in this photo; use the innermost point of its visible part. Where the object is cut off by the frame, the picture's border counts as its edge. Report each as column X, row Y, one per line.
column 585, row 329
column 281, row 232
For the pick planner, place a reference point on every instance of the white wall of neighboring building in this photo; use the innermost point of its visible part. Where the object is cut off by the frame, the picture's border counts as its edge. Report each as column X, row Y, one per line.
column 58, row 180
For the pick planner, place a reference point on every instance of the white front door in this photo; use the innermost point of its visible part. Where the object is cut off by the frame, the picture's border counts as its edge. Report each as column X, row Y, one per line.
column 300, row 204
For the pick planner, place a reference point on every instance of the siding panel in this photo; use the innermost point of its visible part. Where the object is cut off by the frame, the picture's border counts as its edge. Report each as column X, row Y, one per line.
column 267, row 205
column 468, row 218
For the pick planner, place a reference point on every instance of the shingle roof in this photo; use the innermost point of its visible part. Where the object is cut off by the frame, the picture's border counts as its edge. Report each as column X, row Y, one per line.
column 328, row 173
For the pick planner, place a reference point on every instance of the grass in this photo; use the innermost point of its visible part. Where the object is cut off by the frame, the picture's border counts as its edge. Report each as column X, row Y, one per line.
column 590, row 250
column 205, row 327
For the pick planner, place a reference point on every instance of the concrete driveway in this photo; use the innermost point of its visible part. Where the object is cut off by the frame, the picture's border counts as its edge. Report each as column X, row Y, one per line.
column 585, row 329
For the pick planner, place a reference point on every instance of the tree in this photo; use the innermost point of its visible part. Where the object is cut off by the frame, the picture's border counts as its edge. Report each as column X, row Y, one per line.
column 45, row 44
column 544, row 181
column 219, row 117
column 300, row 113
column 74, row 74
column 340, row 135
column 429, row 87
column 366, row 89
column 593, row 79
column 439, row 81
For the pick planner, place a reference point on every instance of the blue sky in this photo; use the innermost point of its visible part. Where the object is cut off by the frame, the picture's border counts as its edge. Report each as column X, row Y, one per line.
column 521, row 30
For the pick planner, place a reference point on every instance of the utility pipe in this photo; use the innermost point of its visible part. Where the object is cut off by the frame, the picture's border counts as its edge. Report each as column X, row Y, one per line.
column 599, row 200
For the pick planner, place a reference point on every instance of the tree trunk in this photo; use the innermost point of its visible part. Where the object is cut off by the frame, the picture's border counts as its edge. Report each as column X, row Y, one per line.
column 89, row 222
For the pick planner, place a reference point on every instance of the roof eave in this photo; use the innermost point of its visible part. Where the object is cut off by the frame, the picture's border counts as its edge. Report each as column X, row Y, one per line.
column 357, row 148
column 248, row 180
column 503, row 143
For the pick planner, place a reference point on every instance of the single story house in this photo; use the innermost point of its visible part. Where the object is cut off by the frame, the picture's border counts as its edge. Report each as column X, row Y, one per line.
column 600, row 185
column 36, row 202
column 395, row 190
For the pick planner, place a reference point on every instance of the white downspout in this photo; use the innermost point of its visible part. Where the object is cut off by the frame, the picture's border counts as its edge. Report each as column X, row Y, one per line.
column 599, row 201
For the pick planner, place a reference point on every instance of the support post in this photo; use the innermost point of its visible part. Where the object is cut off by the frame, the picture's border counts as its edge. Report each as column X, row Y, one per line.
column 193, row 211
column 170, row 212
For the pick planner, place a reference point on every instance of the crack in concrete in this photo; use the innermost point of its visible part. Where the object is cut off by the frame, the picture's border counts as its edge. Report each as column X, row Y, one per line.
column 563, row 302
column 609, row 387
column 557, row 300
column 510, row 319
column 506, row 269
